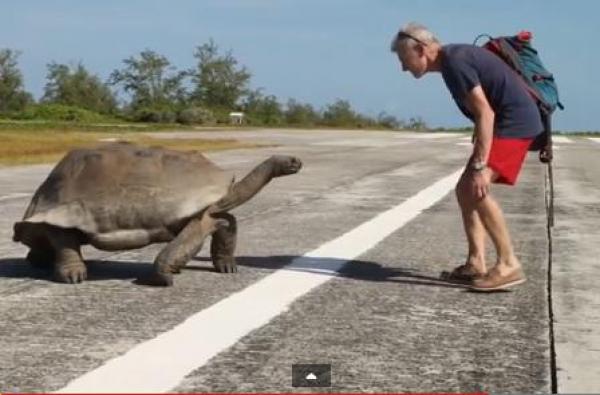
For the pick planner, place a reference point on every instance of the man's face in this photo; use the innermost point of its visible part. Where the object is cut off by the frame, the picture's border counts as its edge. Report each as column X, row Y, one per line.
column 413, row 60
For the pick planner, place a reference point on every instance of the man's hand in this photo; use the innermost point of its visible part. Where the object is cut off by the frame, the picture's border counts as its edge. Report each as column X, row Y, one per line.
column 479, row 182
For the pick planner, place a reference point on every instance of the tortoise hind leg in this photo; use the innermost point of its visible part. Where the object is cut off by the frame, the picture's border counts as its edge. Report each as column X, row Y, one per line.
column 41, row 255
column 68, row 265
column 181, row 249
column 222, row 246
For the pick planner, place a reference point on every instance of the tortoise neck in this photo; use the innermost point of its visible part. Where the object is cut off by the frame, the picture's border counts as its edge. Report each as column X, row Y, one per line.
column 249, row 186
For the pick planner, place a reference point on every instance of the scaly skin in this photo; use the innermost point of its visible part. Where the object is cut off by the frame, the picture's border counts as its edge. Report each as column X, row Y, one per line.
column 68, row 266
column 222, row 246
column 179, row 251
column 275, row 166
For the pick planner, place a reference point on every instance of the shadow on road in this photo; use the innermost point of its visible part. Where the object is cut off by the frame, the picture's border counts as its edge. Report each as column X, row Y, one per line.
column 99, row 270
column 356, row 269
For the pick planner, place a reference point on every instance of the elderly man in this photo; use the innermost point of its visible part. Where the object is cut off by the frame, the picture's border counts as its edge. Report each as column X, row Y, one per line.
column 506, row 121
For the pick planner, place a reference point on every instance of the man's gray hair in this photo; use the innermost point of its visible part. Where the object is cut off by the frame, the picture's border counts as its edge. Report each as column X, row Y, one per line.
column 411, row 35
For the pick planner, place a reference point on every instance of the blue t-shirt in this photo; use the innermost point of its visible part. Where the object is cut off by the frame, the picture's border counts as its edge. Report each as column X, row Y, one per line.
column 466, row 66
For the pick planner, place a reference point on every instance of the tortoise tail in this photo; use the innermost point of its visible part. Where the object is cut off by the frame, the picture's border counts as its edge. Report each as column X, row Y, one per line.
column 18, row 231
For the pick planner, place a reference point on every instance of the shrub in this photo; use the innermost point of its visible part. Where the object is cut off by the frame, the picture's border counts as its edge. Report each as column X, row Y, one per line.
column 196, row 115
column 154, row 115
column 59, row 112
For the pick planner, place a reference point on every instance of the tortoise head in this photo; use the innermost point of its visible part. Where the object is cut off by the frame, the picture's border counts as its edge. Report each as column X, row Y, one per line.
column 284, row 165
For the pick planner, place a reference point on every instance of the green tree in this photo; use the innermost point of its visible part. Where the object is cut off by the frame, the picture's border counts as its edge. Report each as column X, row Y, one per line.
column 263, row 110
column 417, row 123
column 218, row 80
column 300, row 114
column 388, row 121
column 13, row 96
column 365, row 121
column 75, row 86
column 151, row 81
column 340, row 113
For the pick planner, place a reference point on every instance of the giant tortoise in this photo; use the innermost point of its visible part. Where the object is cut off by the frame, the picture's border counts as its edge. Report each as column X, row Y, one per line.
column 121, row 196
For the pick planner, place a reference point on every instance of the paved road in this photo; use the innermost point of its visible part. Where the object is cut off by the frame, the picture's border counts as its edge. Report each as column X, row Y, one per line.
column 339, row 265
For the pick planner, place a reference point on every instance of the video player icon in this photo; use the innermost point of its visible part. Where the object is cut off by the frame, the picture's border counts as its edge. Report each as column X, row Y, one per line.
column 311, row 375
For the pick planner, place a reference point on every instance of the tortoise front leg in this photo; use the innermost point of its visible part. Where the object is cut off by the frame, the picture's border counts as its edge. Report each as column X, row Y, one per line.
column 68, row 265
column 222, row 246
column 181, row 249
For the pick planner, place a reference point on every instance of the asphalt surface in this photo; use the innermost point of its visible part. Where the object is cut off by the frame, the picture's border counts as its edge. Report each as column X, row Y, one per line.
column 384, row 323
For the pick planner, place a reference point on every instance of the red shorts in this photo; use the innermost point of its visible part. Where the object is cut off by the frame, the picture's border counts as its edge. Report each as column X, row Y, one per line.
column 506, row 158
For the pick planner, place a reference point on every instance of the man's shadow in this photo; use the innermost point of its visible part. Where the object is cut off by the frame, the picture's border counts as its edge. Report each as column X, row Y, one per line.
column 99, row 270
column 354, row 269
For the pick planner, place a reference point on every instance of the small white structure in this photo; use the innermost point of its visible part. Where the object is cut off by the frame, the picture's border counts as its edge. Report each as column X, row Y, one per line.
column 236, row 118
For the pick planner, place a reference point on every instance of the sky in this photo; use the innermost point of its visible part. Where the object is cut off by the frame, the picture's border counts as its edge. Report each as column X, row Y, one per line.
column 315, row 51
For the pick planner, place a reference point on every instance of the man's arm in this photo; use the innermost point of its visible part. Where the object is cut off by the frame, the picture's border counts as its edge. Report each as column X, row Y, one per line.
column 483, row 115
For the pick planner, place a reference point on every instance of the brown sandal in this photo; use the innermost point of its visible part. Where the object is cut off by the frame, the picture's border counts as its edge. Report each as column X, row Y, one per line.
column 462, row 273
column 493, row 281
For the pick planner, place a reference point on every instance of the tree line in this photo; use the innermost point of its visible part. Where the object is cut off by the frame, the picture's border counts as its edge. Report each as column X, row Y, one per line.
column 149, row 88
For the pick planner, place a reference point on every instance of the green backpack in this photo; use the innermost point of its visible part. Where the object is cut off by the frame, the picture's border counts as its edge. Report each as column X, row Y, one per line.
column 517, row 52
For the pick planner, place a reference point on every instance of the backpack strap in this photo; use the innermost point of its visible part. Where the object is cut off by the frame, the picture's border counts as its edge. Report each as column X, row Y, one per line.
column 482, row 36
column 546, row 154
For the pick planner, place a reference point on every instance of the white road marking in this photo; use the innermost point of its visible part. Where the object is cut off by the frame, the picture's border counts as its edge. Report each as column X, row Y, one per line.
column 594, row 139
column 14, row 196
column 160, row 364
column 561, row 140
column 465, row 144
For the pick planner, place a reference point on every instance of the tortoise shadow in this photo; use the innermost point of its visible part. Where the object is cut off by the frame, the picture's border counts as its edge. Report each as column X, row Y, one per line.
column 102, row 270
column 98, row 270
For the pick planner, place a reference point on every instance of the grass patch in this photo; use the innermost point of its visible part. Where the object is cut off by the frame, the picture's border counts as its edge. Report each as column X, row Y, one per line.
column 11, row 125
column 20, row 147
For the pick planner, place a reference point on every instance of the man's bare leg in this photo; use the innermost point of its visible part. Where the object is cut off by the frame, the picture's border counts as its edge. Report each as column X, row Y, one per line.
column 474, row 230
column 493, row 220
column 481, row 216
column 507, row 271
